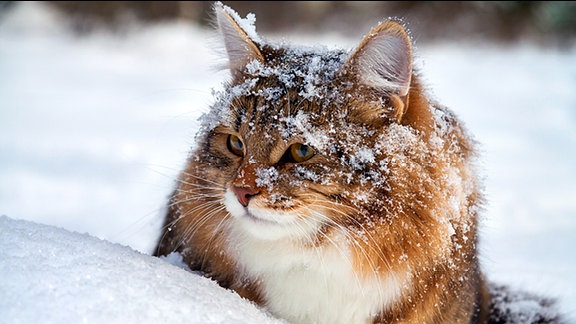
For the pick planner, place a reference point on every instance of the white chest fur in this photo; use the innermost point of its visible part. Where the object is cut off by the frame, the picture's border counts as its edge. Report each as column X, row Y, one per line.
column 314, row 285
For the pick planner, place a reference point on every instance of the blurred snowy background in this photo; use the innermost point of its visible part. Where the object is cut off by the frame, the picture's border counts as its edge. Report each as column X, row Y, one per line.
column 99, row 106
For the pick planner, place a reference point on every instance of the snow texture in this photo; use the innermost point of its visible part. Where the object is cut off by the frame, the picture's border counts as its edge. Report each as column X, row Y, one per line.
column 521, row 307
column 94, row 130
column 248, row 24
column 52, row 275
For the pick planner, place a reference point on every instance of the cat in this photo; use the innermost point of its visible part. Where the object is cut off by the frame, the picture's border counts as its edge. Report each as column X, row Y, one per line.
column 328, row 187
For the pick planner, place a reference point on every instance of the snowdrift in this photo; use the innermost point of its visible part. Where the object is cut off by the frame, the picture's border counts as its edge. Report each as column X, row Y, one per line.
column 51, row 275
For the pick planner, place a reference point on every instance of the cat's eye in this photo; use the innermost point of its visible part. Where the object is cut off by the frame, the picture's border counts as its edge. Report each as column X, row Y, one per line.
column 299, row 153
column 235, row 145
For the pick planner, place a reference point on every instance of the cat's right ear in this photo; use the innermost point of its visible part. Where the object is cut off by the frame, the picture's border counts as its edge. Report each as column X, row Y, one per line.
column 383, row 62
column 240, row 48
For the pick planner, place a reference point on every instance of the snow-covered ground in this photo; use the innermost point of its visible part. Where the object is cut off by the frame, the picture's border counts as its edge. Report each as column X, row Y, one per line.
column 93, row 131
column 50, row 275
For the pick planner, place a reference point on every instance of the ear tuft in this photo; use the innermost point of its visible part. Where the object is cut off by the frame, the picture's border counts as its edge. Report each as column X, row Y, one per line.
column 383, row 60
column 239, row 36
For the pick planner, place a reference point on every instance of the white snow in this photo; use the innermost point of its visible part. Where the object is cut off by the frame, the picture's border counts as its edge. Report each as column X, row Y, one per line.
column 51, row 275
column 248, row 24
column 93, row 131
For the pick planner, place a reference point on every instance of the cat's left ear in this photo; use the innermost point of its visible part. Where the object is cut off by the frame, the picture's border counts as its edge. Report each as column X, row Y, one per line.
column 383, row 61
column 240, row 47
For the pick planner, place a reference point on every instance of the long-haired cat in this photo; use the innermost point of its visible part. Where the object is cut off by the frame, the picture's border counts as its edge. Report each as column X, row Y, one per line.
column 328, row 188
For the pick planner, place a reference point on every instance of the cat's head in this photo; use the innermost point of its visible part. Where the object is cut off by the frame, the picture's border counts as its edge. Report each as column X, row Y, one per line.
column 307, row 138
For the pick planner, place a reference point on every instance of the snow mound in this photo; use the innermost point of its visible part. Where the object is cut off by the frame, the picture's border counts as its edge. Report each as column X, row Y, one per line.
column 522, row 307
column 51, row 275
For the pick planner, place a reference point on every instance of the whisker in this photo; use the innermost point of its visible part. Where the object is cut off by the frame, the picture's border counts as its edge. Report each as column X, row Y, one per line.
column 215, row 231
column 326, row 219
column 190, row 175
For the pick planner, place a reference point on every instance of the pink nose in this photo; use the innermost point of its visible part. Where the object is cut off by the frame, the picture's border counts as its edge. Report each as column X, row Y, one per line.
column 244, row 194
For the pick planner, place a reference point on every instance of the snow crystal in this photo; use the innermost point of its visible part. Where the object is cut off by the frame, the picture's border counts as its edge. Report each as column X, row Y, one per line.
column 301, row 124
column 363, row 156
column 266, row 177
column 304, row 173
column 247, row 24
column 398, row 139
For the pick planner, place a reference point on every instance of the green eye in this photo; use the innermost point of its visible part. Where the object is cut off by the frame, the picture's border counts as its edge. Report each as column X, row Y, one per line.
column 235, row 145
column 299, row 153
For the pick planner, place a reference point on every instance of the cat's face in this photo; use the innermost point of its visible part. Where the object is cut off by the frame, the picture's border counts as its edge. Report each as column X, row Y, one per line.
column 299, row 141
column 294, row 156
column 279, row 150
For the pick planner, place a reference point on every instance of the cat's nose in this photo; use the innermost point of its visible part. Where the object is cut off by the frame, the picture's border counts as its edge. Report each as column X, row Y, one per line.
column 244, row 194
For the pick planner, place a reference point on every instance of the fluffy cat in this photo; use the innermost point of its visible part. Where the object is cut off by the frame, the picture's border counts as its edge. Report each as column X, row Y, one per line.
column 328, row 188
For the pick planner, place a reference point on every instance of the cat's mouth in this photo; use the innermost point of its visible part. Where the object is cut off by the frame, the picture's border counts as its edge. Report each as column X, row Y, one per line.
column 254, row 213
column 269, row 223
column 257, row 210
column 254, row 218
